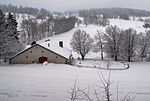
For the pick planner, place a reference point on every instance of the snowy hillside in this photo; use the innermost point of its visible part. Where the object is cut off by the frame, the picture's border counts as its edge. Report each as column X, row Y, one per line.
column 92, row 29
column 37, row 82
column 66, row 37
column 125, row 24
column 36, row 62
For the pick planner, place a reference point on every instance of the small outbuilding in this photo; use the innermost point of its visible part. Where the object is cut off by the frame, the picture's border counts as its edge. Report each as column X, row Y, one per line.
column 39, row 53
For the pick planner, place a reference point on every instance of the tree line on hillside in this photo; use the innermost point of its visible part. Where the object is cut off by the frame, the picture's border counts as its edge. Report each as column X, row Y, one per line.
column 34, row 30
column 21, row 10
column 64, row 24
column 122, row 13
column 9, row 40
column 39, row 14
column 97, row 20
column 124, row 45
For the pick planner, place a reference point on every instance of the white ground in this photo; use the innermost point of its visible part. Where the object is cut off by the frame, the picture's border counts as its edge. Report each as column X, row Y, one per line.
column 93, row 63
column 36, row 82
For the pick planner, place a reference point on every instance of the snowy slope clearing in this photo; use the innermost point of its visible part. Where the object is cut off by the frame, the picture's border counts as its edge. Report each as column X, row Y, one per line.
column 125, row 24
column 36, row 82
column 66, row 37
column 92, row 29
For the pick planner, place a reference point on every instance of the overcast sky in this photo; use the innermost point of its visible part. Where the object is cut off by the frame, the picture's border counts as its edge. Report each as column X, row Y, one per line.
column 62, row 5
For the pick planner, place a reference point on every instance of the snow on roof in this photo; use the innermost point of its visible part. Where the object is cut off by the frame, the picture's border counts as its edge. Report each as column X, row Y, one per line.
column 62, row 51
column 57, row 49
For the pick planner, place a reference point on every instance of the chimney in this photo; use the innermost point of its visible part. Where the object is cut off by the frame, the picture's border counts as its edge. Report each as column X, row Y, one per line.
column 48, row 41
column 48, row 44
column 33, row 43
column 61, row 44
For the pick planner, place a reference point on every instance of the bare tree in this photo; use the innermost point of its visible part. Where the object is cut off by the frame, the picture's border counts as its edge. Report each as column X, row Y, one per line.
column 100, row 42
column 74, row 92
column 143, row 43
column 86, row 94
column 128, row 43
column 112, row 38
column 79, row 22
column 26, row 29
column 106, row 85
column 49, row 26
column 34, row 31
column 81, row 42
column 86, row 21
column 120, row 43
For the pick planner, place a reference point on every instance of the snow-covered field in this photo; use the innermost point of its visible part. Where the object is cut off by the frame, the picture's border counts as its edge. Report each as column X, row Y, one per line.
column 36, row 82
column 105, row 64
column 125, row 24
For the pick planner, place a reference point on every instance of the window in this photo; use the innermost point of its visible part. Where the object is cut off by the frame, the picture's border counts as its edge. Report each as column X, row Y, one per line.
column 36, row 47
column 30, row 51
column 42, row 52
column 56, row 57
column 26, row 57
column 61, row 43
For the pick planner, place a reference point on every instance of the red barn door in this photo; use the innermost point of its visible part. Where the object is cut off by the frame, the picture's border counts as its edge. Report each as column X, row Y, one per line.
column 42, row 59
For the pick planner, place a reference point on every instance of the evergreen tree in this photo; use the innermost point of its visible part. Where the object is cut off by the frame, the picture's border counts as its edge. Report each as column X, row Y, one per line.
column 12, row 36
column 9, row 35
column 2, row 28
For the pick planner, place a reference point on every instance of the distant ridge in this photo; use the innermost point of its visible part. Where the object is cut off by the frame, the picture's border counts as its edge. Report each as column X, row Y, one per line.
column 20, row 9
column 114, row 12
